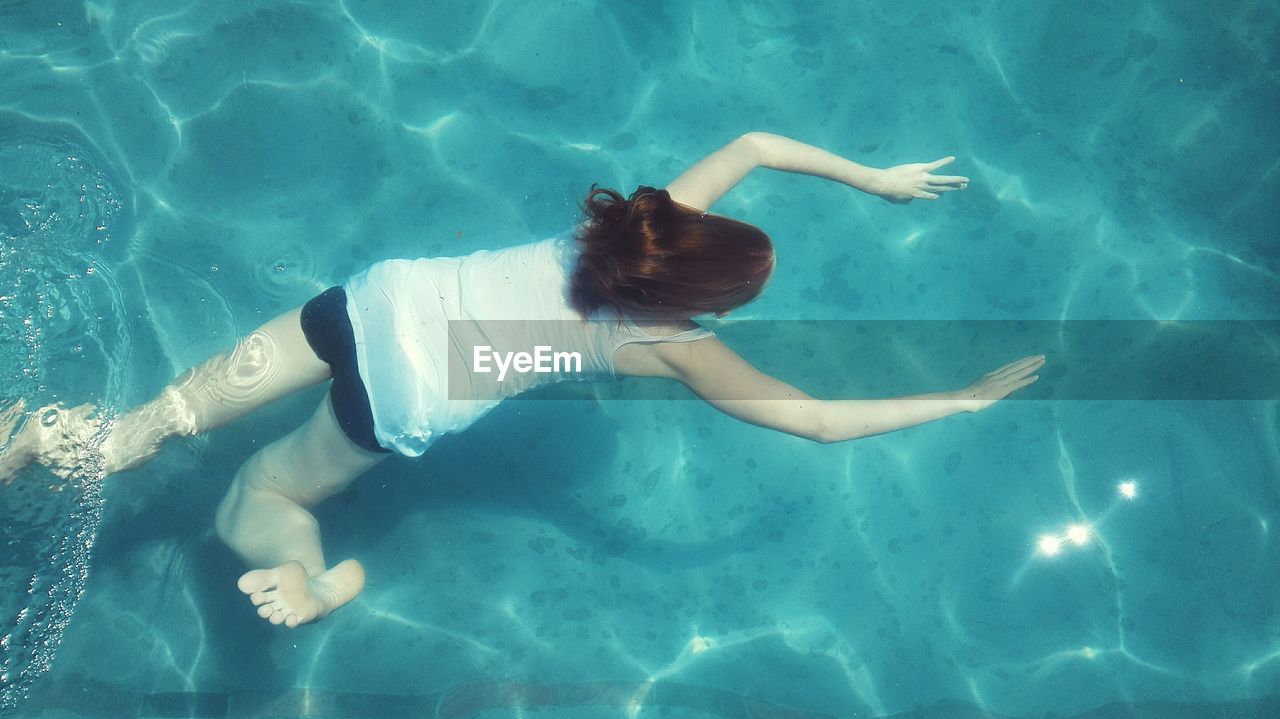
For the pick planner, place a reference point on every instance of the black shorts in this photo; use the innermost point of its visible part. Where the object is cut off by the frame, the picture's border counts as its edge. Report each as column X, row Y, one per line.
column 328, row 330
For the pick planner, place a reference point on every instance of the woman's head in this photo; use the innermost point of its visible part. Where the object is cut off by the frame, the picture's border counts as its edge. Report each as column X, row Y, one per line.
column 647, row 253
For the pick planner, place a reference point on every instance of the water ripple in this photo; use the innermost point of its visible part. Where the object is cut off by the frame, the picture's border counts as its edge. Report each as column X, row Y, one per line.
column 59, row 338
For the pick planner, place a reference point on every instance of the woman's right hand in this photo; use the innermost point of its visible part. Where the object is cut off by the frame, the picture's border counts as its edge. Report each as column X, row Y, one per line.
column 903, row 183
column 1000, row 383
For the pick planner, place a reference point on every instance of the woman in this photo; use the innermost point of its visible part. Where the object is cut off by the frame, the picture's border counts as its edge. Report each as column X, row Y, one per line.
column 620, row 293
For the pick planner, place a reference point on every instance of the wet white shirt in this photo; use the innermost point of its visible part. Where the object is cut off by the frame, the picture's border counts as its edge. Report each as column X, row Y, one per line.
column 421, row 327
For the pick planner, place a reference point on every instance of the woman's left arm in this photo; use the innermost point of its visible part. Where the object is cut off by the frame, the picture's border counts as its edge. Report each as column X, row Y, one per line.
column 727, row 382
column 704, row 183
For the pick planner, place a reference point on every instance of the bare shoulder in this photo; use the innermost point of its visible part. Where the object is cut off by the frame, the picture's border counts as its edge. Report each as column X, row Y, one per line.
column 658, row 358
column 665, row 328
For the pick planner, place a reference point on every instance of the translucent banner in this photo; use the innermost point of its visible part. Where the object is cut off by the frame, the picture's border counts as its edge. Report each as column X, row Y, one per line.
column 1085, row 359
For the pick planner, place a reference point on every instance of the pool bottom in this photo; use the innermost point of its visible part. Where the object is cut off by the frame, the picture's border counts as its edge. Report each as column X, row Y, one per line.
column 492, row 699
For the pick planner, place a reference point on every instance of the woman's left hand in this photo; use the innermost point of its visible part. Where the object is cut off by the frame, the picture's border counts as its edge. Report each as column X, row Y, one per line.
column 904, row 183
column 1000, row 383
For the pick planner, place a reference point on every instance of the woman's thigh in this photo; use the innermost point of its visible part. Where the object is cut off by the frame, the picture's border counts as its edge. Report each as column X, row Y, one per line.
column 315, row 461
column 272, row 361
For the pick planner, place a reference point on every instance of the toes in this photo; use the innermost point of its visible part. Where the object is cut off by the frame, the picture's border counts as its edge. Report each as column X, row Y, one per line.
column 273, row 611
column 259, row 580
column 283, row 595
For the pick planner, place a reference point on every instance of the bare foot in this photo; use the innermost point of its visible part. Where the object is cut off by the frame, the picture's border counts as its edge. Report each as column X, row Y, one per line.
column 9, row 417
column 286, row 595
column 61, row 439
column 16, row 455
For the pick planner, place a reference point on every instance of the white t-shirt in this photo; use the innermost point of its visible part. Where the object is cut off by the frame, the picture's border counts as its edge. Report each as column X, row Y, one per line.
column 419, row 326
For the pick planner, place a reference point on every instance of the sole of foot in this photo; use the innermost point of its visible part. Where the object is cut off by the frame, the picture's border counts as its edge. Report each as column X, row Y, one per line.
column 288, row 595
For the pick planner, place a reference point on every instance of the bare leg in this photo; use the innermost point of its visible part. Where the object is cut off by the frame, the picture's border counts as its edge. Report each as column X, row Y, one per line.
column 269, row 363
column 264, row 519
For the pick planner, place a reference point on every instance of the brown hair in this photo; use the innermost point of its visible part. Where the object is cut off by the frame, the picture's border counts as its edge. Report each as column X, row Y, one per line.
column 647, row 253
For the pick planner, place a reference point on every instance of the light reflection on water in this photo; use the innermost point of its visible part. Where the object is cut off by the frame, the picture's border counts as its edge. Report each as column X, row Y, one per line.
column 60, row 338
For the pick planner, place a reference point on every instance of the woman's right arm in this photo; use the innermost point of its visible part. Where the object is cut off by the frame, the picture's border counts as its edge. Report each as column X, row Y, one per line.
column 709, row 179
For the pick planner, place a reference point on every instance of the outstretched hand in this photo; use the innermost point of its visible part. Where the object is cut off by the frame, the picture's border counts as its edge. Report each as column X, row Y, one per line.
column 1000, row 383
column 904, row 183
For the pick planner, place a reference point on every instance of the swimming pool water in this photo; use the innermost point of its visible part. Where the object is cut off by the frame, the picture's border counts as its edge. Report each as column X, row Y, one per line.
column 172, row 174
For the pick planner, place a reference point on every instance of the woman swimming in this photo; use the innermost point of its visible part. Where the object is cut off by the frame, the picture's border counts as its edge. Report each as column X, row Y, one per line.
column 619, row 293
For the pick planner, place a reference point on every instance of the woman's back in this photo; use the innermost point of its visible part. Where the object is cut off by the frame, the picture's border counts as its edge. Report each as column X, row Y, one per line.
column 443, row 328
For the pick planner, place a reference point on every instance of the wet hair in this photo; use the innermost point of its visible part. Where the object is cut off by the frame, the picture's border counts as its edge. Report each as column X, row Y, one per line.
column 648, row 254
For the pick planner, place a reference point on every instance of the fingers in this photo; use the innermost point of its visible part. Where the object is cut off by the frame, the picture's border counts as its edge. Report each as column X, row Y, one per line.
column 1026, row 364
column 925, row 195
column 939, row 163
column 946, row 180
column 1026, row 367
column 1000, row 383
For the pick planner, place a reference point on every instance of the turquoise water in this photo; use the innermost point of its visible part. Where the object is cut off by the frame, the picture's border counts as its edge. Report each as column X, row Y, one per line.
column 172, row 174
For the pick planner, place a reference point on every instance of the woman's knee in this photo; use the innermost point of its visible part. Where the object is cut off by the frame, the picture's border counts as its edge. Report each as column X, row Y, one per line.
column 246, row 514
column 266, row 468
column 295, row 469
